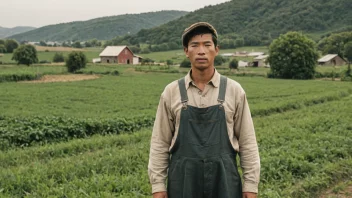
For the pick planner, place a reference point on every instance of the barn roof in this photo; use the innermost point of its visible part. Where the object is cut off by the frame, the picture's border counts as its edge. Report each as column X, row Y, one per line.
column 327, row 58
column 112, row 50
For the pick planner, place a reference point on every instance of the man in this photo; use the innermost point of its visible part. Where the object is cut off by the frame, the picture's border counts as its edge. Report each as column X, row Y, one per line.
column 203, row 120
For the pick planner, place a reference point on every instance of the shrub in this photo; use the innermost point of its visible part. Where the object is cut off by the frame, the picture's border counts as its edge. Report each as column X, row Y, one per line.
column 58, row 58
column 233, row 64
column 76, row 61
column 185, row 63
column 219, row 60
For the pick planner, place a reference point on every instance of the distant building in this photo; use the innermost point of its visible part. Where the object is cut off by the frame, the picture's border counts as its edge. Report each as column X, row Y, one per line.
column 243, row 64
column 259, row 61
column 119, row 54
column 331, row 59
column 255, row 54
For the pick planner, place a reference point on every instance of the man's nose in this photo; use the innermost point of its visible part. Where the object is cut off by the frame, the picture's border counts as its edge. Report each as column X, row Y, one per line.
column 201, row 50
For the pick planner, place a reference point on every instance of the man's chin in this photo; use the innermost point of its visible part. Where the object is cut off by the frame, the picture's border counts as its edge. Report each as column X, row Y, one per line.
column 201, row 66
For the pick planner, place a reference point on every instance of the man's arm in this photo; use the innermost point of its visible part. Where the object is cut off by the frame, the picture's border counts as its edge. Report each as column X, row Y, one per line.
column 159, row 147
column 248, row 148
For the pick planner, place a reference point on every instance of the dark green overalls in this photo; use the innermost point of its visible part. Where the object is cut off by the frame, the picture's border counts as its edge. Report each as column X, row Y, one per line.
column 203, row 161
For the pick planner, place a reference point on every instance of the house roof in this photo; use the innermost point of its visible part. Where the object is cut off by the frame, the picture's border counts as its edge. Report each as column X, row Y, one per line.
column 261, row 57
column 327, row 58
column 227, row 54
column 112, row 50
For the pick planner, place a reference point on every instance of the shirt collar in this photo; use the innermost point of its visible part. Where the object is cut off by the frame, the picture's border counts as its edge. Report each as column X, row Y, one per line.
column 215, row 80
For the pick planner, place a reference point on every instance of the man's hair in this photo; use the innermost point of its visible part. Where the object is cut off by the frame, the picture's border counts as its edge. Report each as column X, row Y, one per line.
column 199, row 31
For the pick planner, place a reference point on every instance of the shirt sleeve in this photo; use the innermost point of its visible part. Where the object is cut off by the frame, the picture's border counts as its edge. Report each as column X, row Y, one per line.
column 159, row 147
column 248, row 148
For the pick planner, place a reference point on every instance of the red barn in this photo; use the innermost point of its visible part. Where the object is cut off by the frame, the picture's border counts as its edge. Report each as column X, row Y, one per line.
column 117, row 54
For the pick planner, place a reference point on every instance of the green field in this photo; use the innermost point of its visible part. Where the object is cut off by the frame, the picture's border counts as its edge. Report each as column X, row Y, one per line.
column 91, row 138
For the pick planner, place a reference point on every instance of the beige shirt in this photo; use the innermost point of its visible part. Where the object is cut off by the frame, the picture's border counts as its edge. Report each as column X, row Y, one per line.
column 239, row 126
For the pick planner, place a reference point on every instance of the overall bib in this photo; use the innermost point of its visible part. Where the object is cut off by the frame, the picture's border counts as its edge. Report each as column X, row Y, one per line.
column 203, row 161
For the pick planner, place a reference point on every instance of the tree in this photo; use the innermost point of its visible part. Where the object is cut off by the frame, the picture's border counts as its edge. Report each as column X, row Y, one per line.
column 219, row 60
column 42, row 43
column 25, row 54
column 334, row 44
column 233, row 64
column 185, row 63
column 2, row 48
column 76, row 61
column 11, row 45
column 348, row 55
column 58, row 58
column 293, row 56
column 169, row 62
column 77, row 44
column 2, row 42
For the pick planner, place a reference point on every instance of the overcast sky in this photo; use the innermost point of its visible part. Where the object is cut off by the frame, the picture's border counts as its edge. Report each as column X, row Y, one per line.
column 39, row 13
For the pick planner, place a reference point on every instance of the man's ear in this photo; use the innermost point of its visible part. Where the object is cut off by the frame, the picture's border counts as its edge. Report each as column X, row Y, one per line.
column 217, row 49
column 185, row 49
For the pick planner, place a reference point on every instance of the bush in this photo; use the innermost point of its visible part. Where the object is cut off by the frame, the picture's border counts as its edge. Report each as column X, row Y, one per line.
column 2, row 48
column 233, row 64
column 58, row 58
column 293, row 56
column 76, row 61
column 185, row 63
column 25, row 54
column 219, row 60
column 11, row 45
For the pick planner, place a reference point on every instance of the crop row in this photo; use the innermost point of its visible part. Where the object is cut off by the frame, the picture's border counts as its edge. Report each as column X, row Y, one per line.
column 28, row 131
column 24, row 132
column 302, row 152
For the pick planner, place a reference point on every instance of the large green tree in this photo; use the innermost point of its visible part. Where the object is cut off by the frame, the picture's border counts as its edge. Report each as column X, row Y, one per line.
column 11, row 45
column 25, row 54
column 348, row 55
column 334, row 44
column 293, row 56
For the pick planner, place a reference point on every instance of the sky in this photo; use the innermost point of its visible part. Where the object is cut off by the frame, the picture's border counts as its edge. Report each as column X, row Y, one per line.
column 38, row 13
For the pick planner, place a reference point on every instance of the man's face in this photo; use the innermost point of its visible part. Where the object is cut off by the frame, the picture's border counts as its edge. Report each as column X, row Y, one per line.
column 201, row 51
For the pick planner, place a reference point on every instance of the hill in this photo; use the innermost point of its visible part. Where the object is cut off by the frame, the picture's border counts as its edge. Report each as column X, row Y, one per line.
column 6, row 32
column 100, row 28
column 257, row 21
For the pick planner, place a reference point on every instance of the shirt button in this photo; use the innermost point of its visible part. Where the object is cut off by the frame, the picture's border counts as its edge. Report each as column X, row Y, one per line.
column 203, row 95
column 200, row 92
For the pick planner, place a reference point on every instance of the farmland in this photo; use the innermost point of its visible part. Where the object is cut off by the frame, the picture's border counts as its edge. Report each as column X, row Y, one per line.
column 91, row 138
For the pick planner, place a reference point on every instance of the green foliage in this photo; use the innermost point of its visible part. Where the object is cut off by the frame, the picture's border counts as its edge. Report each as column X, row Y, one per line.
column 169, row 62
column 257, row 22
column 233, row 64
column 77, row 44
column 2, row 42
column 334, row 44
column 76, row 61
column 103, row 28
column 58, row 58
column 42, row 43
column 186, row 63
column 348, row 55
column 219, row 60
column 11, row 45
column 2, row 48
column 293, row 56
column 25, row 54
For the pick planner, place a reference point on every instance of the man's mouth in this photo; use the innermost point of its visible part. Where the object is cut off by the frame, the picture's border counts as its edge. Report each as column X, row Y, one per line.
column 201, row 59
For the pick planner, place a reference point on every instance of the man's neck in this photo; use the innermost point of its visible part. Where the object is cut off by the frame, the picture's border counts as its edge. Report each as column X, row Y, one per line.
column 202, row 77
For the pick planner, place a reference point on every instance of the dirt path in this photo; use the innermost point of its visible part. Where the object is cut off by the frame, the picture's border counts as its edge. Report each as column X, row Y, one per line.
column 341, row 190
column 63, row 78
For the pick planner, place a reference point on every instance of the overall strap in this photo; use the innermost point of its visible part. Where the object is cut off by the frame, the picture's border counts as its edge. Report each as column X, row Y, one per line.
column 222, row 89
column 183, row 91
